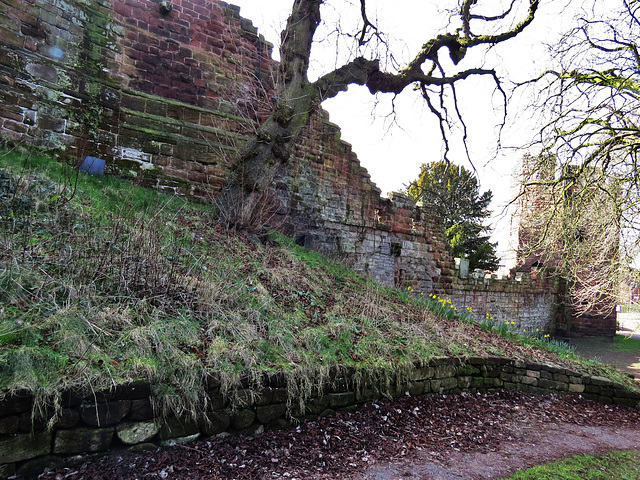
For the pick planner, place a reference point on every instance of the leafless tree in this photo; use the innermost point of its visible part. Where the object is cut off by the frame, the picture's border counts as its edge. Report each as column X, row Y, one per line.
column 475, row 26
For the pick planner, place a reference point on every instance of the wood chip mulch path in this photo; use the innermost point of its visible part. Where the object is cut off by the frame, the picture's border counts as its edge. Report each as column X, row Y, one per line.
column 347, row 445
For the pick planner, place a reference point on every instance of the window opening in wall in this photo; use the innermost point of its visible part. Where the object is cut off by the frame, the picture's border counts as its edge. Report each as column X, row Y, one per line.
column 396, row 249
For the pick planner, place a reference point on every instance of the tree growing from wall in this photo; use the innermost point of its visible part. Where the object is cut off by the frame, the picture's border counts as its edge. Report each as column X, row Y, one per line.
column 589, row 229
column 476, row 25
column 452, row 193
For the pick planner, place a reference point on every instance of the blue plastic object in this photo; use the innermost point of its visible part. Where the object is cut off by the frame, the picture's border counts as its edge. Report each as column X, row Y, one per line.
column 93, row 166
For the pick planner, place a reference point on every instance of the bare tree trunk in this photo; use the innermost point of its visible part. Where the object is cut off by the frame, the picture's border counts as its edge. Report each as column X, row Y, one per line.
column 246, row 202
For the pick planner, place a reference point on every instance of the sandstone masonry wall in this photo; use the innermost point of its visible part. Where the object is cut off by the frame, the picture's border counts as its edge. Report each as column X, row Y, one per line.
column 124, row 418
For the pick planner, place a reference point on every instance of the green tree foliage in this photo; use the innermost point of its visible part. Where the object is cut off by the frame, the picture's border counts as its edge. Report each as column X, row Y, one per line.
column 452, row 192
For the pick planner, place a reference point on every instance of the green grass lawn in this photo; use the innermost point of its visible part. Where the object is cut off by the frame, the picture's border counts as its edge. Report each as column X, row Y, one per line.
column 612, row 465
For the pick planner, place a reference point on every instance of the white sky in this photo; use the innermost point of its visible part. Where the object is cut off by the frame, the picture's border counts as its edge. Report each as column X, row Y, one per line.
column 393, row 151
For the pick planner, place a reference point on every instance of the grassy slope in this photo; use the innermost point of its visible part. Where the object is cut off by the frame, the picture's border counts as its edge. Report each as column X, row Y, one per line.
column 102, row 282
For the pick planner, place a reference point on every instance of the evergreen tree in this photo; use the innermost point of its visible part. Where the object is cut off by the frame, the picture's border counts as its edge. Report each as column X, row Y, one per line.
column 452, row 193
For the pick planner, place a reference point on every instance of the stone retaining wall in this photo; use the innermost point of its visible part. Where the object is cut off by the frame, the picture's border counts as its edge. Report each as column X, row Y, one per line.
column 92, row 424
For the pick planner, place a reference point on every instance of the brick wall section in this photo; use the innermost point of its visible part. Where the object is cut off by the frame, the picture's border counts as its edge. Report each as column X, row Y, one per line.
column 124, row 416
column 167, row 99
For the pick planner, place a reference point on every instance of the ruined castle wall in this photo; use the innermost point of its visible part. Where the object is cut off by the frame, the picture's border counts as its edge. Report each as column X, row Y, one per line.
column 524, row 303
column 168, row 97
column 335, row 207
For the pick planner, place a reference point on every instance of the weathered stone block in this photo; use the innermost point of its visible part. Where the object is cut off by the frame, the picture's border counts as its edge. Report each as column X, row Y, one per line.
column 213, row 423
column 533, row 381
column 468, row 370
column 416, row 388
column 510, row 377
column 270, row 413
column 546, row 375
column 243, row 419
column 552, row 385
column 576, row 388
column 601, row 381
column 105, row 414
column 23, row 447
column 422, row 373
column 141, row 409
column 592, row 389
column 533, row 373
column 490, row 370
column 140, row 432
column 82, row 440
column 176, row 428
column 444, row 371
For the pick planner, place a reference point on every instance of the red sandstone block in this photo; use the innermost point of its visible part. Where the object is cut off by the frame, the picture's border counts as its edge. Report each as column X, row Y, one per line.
column 15, row 126
column 172, row 172
column 31, row 44
column 156, row 30
column 202, row 10
column 11, row 38
column 147, row 67
column 141, row 46
column 185, row 52
column 121, row 9
column 166, row 92
column 197, row 177
column 216, row 30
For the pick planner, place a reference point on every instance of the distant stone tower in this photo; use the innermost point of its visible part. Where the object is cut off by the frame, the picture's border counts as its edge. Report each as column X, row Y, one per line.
column 563, row 224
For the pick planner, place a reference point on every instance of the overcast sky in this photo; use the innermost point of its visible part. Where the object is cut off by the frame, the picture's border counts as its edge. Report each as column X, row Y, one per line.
column 393, row 147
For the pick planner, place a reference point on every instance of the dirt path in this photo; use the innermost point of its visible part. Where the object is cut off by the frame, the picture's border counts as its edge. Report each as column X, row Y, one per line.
column 622, row 352
column 534, row 447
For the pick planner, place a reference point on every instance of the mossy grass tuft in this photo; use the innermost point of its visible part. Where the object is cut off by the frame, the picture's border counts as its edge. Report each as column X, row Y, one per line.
column 615, row 464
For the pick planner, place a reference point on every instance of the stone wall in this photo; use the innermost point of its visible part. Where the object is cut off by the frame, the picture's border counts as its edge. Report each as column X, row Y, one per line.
column 529, row 302
column 164, row 97
column 124, row 418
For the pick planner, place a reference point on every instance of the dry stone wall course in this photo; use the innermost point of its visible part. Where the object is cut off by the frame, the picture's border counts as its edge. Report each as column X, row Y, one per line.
column 30, row 452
